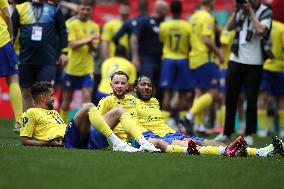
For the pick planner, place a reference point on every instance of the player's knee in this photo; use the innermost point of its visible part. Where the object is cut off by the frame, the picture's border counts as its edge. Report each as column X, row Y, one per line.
column 88, row 106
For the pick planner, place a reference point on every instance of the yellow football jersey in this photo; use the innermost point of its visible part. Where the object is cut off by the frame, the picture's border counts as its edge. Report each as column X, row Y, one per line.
column 151, row 118
column 4, row 33
column 80, row 60
column 110, row 28
column 111, row 65
column 42, row 124
column 277, row 42
column 226, row 39
column 128, row 104
column 201, row 24
column 175, row 37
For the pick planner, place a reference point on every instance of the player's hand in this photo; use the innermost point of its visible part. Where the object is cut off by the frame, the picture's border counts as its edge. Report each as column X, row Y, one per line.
column 63, row 59
column 93, row 37
column 56, row 143
column 247, row 8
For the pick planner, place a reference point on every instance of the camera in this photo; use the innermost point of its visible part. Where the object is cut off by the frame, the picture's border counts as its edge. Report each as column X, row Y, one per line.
column 249, row 35
column 240, row 2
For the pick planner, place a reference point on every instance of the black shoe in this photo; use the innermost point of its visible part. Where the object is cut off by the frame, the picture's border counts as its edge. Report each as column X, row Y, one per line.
column 278, row 145
column 243, row 151
column 188, row 125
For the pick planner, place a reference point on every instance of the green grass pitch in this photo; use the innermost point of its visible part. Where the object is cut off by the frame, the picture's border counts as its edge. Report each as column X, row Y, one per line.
column 53, row 168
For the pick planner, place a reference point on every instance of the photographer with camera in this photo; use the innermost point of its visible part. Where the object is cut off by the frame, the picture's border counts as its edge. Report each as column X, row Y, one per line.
column 252, row 22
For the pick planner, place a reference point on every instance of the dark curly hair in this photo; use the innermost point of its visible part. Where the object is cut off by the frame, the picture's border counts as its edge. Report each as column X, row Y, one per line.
column 136, row 82
column 40, row 87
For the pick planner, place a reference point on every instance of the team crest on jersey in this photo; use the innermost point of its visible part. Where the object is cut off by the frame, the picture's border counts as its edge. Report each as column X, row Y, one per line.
column 25, row 120
column 134, row 23
column 45, row 11
column 132, row 102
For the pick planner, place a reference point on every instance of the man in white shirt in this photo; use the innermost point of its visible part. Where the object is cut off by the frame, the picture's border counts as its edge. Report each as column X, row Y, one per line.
column 252, row 22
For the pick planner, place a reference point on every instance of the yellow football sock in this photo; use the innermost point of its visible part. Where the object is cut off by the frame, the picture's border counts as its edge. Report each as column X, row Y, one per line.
column 176, row 149
column 16, row 100
column 166, row 115
column 64, row 115
column 251, row 151
column 98, row 122
column 270, row 122
column 182, row 113
column 281, row 118
column 222, row 114
column 199, row 118
column 210, row 150
column 201, row 103
column 261, row 116
column 130, row 126
column 218, row 117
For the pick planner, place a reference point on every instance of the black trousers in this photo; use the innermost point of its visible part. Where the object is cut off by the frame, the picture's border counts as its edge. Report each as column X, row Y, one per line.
column 248, row 76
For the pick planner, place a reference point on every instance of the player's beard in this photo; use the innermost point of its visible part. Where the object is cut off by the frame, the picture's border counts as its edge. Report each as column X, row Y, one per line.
column 141, row 97
column 49, row 105
column 119, row 95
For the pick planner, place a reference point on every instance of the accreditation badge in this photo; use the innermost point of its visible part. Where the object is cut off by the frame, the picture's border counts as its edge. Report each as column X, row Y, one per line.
column 36, row 33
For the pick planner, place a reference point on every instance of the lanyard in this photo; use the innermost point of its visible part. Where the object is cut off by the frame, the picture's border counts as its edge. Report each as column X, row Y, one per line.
column 37, row 11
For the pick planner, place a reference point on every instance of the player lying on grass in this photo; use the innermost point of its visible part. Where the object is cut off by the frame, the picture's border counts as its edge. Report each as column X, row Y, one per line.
column 151, row 118
column 43, row 126
column 119, row 99
column 128, row 121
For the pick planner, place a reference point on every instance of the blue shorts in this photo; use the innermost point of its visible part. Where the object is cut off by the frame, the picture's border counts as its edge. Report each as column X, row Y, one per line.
column 206, row 76
column 72, row 139
column 222, row 80
column 273, row 83
column 8, row 60
column 30, row 74
column 176, row 75
column 169, row 138
column 77, row 82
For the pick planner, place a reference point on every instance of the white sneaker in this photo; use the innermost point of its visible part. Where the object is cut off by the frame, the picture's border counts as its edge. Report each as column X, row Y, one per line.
column 123, row 147
column 148, row 147
column 172, row 124
column 262, row 133
column 249, row 140
column 17, row 128
column 221, row 138
column 269, row 151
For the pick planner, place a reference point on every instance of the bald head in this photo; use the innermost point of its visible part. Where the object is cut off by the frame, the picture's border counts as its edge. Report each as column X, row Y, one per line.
column 206, row 2
column 161, row 8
